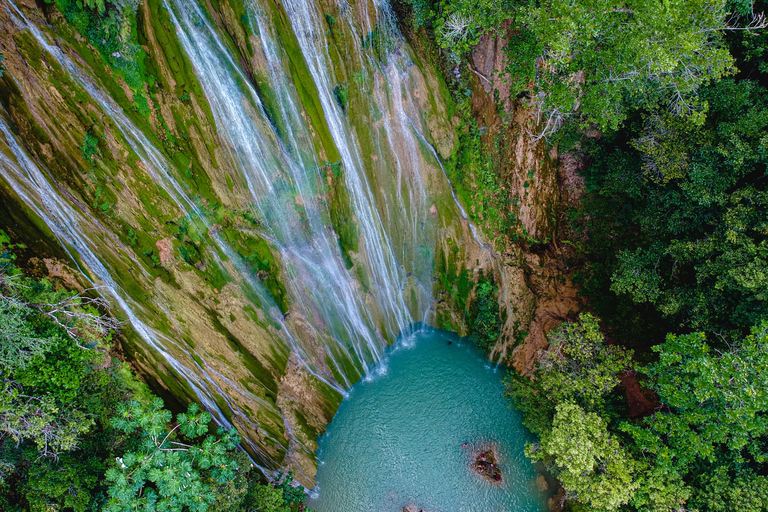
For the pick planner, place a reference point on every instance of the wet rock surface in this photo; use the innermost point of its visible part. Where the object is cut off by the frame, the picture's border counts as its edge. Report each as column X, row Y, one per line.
column 486, row 465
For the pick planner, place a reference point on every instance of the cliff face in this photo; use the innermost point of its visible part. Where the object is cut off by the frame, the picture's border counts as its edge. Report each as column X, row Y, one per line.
column 530, row 263
column 263, row 237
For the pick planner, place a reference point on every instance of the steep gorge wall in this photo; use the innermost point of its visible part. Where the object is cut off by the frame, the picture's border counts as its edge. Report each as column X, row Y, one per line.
column 211, row 310
column 530, row 264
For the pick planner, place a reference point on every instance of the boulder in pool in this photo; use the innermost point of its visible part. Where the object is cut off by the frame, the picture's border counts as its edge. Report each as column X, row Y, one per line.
column 487, row 466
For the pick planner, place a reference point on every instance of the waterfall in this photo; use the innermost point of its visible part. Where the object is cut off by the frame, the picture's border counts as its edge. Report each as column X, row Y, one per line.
column 280, row 172
column 68, row 226
column 388, row 274
column 161, row 172
column 345, row 304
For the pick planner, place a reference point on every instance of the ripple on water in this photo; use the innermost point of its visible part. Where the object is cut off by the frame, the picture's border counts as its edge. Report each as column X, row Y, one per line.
column 397, row 440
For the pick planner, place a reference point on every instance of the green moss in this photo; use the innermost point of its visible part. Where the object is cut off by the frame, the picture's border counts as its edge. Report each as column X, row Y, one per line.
column 305, row 86
column 216, row 275
column 453, row 283
column 338, row 377
column 340, row 207
column 280, row 355
column 29, row 49
column 251, row 362
column 224, row 407
column 308, row 430
column 257, row 254
column 346, row 365
column 90, row 146
column 199, row 361
column 332, row 397
column 340, row 93
column 173, row 55
column 113, row 33
column 238, row 7
column 378, row 42
column 26, row 228
column 176, row 384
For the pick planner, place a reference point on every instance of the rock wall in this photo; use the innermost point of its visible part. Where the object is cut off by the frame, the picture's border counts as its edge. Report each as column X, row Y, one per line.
column 532, row 265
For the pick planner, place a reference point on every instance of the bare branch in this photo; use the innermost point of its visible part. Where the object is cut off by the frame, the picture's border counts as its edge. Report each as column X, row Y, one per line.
column 480, row 75
column 756, row 22
column 70, row 312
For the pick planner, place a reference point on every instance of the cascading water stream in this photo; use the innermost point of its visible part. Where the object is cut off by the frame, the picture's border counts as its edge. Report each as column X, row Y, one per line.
column 387, row 273
column 270, row 150
column 30, row 183
column 279, row 173
column 161, row 172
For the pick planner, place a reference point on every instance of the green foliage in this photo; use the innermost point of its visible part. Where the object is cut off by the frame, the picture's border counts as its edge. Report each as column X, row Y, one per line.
column 457, row 24
column 521, row 51
column 141, row 105
column 659, row 489
column 43, row 367
column 594, row 61
column 715, row 401
column 2, row 66
column 664, row 146
column 111, row 28
column 484, row 317
column 640, row 52
column 90, row 147
column 330, row 20
column 340, row 93
column 271, row 499
column 169, row 468
column 132, row 238
column 292, row 494
column 677, row 218
column 97, row 5
column 719, row 491
column 703, row 448
column 80, row 432
column 578, row 365
column 43, row 420
column 53, row 399
column 588, row 460
column 526, row 396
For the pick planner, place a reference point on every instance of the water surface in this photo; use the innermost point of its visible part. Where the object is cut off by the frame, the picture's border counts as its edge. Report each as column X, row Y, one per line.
column 397, row 439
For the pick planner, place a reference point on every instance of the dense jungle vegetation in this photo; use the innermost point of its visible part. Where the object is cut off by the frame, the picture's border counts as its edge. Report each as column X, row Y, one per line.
column 78, row 431
column 671, row 239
